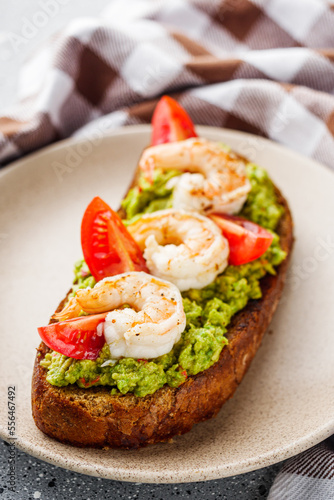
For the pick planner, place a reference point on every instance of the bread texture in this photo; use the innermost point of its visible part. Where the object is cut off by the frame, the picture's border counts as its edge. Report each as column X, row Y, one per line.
column 95, row 418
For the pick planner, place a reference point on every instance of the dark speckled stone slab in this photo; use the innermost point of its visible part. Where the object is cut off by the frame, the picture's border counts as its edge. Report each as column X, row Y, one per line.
column 39, row 480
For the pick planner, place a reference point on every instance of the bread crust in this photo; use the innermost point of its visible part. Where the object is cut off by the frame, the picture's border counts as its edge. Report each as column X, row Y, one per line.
column 95, row 418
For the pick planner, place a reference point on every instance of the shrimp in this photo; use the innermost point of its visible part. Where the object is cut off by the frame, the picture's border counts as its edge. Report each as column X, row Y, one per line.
column 214, row 180
column 148, row 328
column 184, row 248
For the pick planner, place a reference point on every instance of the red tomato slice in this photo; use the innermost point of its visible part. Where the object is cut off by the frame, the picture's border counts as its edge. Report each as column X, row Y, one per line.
column 107, row 246
column 247, row 240
column 170, row 122
column 76, row 338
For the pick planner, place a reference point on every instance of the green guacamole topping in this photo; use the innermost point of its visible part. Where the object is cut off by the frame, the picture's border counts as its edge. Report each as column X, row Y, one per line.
column 208, row 311
column 148, row 197
column 261, row 206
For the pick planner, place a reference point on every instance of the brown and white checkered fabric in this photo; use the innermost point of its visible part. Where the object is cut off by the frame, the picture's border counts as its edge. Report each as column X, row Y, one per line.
column 262, row 66
column 308, row 476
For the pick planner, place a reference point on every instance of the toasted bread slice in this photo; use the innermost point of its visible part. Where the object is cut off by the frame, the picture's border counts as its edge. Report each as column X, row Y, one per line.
column 95, row 418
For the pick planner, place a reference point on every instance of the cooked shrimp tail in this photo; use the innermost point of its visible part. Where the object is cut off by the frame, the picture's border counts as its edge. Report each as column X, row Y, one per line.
column 214, row 180
column 148, row 328
column 184, row 248
column 71, row 310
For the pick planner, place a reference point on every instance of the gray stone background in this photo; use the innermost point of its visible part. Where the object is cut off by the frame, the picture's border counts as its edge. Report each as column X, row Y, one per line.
column 37, row 479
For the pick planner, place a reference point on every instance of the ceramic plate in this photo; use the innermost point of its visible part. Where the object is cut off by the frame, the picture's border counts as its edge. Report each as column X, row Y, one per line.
column 284, row 404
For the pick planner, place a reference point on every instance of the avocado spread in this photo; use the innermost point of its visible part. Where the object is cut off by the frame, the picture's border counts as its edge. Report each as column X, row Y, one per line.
column 208, row 311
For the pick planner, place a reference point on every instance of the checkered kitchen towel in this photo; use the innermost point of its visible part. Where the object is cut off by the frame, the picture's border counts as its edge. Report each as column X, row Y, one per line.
column 308, row 476
column 262, row 66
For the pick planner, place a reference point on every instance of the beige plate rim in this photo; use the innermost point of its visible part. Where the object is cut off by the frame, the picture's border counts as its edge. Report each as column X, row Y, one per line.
column 40, row 449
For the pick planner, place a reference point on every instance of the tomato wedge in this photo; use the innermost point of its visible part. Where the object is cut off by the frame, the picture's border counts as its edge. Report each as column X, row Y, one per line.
column 77, row 338
column 107, row 246
column 170, row 122
column 247, row 240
